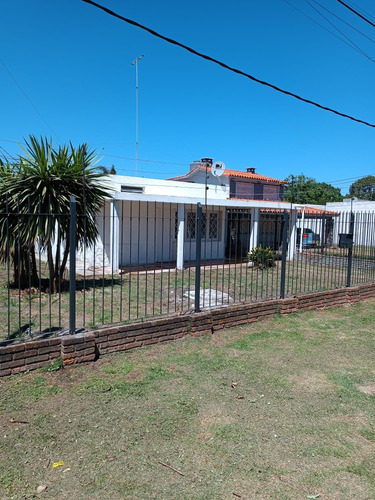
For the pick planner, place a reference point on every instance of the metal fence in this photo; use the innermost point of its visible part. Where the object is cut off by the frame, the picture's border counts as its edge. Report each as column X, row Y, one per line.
column 153, row 259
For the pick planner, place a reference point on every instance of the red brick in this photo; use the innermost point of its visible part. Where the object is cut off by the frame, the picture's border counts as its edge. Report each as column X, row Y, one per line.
column 13, row 364
column 68, row 362
column 5, row 357
column 34, row 366
column 85, row 359
column 127, row 340
column 25, row 354
column 68, row 348
column 19, row 369
column 48, row 349
column 145, row 336
column 117, row 336
column 53, row 355
column 12, row 348
column 56, row 341
column 34, row 344
column 85, row 345
column 37, row 359
column 151, row 341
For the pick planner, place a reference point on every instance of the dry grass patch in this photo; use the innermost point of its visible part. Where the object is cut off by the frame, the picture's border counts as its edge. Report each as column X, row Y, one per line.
column 166, row 421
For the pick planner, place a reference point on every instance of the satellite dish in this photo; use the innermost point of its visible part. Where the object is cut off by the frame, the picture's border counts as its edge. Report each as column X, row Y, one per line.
column 218, row 168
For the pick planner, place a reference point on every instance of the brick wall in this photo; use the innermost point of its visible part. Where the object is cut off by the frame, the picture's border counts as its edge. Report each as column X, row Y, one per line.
column 86, row 346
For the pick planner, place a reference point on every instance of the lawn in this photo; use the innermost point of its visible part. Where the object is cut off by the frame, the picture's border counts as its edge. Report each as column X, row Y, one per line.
column 281, row 409
column 147, row 292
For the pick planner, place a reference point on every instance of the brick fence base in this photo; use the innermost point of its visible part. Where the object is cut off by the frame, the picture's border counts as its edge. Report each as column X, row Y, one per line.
column 84, row 347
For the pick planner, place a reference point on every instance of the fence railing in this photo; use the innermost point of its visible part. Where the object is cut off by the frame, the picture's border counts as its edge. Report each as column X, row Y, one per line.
column 152, row 259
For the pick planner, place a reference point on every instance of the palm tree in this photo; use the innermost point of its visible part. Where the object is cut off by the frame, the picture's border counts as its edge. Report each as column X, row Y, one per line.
column 36, row 191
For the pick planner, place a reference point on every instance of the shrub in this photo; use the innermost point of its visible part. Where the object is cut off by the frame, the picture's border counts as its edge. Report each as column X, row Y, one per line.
column 262, row 258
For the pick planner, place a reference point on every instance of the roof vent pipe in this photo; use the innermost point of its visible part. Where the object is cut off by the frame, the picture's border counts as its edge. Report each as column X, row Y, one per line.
column 251, row 170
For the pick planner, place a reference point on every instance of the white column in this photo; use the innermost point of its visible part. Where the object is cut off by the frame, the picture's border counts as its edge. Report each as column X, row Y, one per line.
column 292, row 233
column 114, row 243
column 254, row 229
column 180, row 236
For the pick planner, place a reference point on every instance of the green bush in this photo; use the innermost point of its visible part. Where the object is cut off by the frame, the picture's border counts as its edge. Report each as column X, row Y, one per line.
column 262, row 258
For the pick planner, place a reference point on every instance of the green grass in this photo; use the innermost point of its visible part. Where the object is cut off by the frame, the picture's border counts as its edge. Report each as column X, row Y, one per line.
column 280, row 409
column 138, row 295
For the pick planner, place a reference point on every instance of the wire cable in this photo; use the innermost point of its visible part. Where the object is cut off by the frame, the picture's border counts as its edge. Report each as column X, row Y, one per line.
column 355, row 12
column 322, row 26
column 27, row 97
column 226, row 66
column 345, row 22
column 343, row 34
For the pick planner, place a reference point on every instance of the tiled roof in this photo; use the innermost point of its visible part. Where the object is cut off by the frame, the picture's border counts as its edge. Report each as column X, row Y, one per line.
column 308, row 210
column 233, row 173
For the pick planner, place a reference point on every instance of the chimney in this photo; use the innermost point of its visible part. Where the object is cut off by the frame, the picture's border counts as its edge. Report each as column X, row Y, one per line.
column 250, row 170
column 207, row 161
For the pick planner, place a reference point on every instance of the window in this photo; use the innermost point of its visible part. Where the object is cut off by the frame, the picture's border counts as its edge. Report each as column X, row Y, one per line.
column 258, row 191
column 213, row 228
column 210, row 226
column 191, row 225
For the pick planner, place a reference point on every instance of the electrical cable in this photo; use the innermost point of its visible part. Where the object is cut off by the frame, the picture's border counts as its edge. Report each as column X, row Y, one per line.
column 28, row 98
column 345, row 22
column 354, row 12
column 343, row 34
column 322, row 26
column 226, row 66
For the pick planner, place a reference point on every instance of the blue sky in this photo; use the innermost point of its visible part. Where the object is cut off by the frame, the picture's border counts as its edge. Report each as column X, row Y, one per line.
column 66, row 72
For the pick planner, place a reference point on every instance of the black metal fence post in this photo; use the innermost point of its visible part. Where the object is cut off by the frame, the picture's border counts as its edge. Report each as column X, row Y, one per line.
column 283, row 254
column 350, row 251
column 72, row 265
column 198, row 253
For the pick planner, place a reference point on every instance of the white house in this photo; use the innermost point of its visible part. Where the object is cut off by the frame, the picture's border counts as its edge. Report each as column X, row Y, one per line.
column 151, row 221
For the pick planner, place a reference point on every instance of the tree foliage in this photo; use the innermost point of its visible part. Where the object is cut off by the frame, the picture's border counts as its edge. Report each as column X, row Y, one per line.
column 35, row 196
column 364, row 188
column 107, row 171
column 306, row 190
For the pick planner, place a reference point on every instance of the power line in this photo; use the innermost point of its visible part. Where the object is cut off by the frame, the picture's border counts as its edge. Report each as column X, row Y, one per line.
column 27, row 97
column 354, row 12
column 336, row 28
column 6, row 152
column 345, row 22
column 323, row 27
column 225, row 66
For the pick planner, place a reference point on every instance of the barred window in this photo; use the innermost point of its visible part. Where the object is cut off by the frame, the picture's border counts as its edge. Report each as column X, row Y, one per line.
column 213, row 228
column 191, row 226
column 209, row 230
column 204, row 226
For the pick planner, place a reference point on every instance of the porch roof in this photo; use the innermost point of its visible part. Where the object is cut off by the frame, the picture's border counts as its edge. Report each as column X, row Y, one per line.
column 276, row 206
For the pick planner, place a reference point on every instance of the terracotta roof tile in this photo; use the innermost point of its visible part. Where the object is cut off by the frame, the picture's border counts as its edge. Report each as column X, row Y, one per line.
column 234, row 173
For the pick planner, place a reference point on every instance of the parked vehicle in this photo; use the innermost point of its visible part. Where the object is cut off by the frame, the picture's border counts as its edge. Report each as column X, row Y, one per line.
column 309, row 238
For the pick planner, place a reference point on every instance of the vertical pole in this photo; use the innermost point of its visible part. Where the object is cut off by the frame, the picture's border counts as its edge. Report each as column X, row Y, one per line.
column 198, row 258
column 350, row 252
column 72, row 266
column 135, row 63
column 284, row 254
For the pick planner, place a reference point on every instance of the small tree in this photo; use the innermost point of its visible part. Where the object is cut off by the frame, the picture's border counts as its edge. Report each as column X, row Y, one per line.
column 302, row 189
column 35, row 192
column 364, row 188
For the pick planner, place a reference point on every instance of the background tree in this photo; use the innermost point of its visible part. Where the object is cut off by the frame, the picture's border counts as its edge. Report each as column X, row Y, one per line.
column 35, row 191
column 364, row 188
column 306, row 190
column 106, row 170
